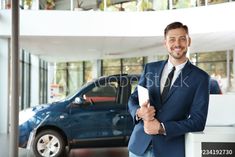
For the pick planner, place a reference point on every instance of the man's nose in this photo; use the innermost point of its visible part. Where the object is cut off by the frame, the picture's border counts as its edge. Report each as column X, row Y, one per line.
column 177, row 42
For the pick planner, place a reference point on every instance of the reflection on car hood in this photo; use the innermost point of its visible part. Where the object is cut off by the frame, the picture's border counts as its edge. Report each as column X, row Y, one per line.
column 28, row 113
column 40, row 107
column 49, row 107
column 39, row 110
column 25, row 115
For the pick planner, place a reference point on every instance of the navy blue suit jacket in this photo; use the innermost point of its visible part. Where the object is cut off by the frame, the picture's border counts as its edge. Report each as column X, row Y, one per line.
column 184, row 110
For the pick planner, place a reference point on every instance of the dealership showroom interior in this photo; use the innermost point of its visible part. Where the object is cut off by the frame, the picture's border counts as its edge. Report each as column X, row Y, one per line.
column 68, row 67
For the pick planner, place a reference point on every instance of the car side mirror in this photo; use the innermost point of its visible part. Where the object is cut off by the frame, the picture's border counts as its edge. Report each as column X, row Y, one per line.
column 79, row 100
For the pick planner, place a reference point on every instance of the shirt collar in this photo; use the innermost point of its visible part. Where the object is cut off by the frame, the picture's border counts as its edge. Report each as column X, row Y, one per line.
column 177, row 68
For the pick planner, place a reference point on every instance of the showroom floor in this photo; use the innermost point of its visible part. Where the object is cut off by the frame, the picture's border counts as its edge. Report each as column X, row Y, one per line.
column 98, row 152
column 94, row 152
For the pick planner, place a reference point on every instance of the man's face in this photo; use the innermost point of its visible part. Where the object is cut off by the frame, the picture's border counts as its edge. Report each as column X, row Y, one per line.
column 177, row 42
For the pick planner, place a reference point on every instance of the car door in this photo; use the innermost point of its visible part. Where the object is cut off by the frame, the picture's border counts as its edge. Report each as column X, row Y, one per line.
column 96, row 116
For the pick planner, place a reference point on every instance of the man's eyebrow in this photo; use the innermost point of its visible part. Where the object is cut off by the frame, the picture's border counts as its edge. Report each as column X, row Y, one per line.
column 177, row 36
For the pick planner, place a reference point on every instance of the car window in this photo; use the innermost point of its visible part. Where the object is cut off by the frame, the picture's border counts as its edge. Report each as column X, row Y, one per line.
column 102, row 93
column 134, row 84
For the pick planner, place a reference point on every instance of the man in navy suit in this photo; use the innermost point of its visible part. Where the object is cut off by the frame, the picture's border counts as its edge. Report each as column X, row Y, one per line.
column 162, row 121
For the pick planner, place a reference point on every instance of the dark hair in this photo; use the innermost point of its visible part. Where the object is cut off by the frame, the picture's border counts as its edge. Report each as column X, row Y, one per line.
column 175, row 25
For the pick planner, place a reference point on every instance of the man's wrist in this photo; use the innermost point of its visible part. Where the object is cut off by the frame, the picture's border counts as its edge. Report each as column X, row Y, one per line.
column 137, row 118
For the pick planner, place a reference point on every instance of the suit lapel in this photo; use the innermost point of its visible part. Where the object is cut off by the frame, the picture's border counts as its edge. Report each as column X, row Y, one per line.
column 159, row 80
column 178, row 82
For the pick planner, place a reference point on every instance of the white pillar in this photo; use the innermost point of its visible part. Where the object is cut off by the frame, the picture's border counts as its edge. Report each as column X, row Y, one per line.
column 233, row 81
column 51, row 79
column 96, row 68
column 170, row 4
column 228, row 88
column 4, row 84
column 34, row 81
column 105, row 5
column 35, row 5
column 71, row 5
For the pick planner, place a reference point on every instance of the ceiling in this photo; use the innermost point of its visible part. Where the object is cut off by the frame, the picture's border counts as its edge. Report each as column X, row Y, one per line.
column 61, row 49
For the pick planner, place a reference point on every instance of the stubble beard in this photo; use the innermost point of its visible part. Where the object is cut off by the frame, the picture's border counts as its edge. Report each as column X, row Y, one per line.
column 177, row 55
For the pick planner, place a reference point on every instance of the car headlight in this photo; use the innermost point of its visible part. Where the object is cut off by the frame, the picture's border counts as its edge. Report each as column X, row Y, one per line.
column 25, row 115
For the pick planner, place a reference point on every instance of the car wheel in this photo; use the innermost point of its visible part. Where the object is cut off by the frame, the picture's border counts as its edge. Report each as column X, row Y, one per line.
column 49, row 143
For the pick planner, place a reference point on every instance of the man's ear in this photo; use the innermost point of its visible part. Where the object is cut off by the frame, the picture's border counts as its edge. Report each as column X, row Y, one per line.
column 164, row 43
column 189, row 41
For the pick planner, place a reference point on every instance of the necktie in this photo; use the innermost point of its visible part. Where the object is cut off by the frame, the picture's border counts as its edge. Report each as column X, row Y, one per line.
column 167, row 85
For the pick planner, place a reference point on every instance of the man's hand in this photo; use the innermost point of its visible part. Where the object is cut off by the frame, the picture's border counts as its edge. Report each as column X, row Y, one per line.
column 146, row 112
column 152, row 127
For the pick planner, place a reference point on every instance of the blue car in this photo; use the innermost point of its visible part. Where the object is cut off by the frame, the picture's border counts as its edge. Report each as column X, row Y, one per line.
column 215, row 87
column 95, row 116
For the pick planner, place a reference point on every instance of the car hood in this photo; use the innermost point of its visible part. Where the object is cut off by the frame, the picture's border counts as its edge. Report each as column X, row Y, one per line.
column 55, row 107
column 41, row 111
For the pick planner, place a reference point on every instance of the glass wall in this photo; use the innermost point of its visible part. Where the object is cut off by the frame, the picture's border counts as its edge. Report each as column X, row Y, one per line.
column 133, row 65
column 61, row 80
column 56, row 5
column 25, row 87
column 177, row 4
column 109, row 5
column 75, row 76
column 160, row 5
column 210, row 2
column 111, row 67
column 215, row 64
column 123, row 66
column 88, row 71
column 43, row 83
column 69, row 77
column 26, row 83
column 5, row 4
column 183, row 4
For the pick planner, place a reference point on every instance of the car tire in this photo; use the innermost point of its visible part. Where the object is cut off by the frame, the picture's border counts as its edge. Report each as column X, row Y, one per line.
column 49, row 143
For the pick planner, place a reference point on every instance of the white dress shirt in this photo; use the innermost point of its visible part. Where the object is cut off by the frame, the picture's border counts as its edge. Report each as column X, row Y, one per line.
column 167, row 69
